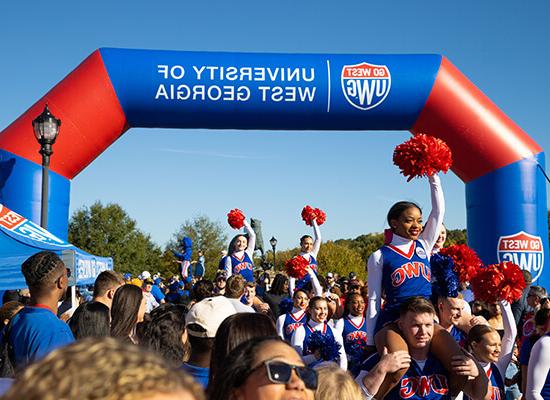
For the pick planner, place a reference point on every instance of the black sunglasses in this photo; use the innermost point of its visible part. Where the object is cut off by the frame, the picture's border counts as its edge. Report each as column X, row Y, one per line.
column 281, row 372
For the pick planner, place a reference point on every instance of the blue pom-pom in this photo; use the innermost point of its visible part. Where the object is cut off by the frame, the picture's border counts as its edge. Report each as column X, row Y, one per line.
column 285, row 306
column 328, row 346
column 445, row 280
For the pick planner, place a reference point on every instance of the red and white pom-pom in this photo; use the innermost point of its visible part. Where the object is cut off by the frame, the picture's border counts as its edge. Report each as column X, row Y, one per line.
column 467, row 262
column 422, row 155
column 309, row 214
column 513, row 284
column 296, row 267
column 235, row 218
column 487, row 282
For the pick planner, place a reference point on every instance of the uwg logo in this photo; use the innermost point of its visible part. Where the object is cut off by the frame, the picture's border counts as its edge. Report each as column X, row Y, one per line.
column 365, row 85
column 410, row 270
column 242, row 266
column 357, row 336
column 290, row 328
column 524, row 250
column 422, row 386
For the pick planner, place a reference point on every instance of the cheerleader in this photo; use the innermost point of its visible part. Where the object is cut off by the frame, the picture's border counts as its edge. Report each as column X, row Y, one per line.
column 353, row 327
column 240, row 254
column 317, row 321
column 494, row 354
column 402, row 267
column 309, row 249
column 290, row 321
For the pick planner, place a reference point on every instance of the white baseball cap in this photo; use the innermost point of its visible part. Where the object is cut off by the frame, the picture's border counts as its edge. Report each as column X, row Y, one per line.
column 209, row 313
column 145, row 275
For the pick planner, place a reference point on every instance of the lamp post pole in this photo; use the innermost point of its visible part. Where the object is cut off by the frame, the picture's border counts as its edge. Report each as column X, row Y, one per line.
column 273, row 243
column 46, row 129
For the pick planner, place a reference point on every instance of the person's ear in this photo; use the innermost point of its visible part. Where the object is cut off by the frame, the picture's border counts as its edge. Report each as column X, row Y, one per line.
column 110, row 293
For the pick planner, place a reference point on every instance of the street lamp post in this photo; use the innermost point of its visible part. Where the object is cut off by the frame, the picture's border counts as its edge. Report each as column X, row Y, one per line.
column 273, row 243
column 46, row 129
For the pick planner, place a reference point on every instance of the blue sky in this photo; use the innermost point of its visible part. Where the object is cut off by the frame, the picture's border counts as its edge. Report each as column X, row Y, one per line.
column 163, row 177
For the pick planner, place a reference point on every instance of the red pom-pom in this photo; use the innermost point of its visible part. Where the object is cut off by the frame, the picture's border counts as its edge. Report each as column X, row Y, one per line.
column 296, row 267
column 465, row 259
column 309, row 214
column 487, row 282
column 235, row 218
column 422, row 155
column 513, row 283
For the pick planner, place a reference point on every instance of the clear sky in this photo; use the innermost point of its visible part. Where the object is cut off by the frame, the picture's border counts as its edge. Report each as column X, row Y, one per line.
column 163, row 177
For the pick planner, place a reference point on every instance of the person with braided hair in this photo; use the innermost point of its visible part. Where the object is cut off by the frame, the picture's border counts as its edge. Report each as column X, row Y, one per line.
column 35, row 331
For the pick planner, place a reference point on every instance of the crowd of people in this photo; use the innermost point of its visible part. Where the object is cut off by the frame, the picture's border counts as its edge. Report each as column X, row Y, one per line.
column 249, row 334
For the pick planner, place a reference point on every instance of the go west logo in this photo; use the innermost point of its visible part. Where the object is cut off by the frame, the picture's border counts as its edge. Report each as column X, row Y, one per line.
column 365, row 85
column 524, row 250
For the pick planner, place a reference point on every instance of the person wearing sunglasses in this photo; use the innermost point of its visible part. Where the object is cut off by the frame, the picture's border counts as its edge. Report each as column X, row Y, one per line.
column 264, row 368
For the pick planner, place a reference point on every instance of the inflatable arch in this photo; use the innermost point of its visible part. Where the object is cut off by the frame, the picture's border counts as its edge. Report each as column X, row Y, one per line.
column 116, row 89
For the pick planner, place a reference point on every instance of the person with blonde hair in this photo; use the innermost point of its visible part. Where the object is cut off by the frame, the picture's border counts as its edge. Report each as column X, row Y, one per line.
column 335, row 383
column 103, row 369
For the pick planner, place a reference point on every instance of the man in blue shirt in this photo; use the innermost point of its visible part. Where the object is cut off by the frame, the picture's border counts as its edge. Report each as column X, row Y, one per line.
column 425, row 377
column 35, row 330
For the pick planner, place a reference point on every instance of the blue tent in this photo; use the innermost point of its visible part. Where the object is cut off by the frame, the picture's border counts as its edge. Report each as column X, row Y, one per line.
column 21, row 238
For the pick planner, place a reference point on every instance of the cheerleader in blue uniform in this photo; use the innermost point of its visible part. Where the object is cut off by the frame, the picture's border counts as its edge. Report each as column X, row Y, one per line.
column 353, row 327
column 401, row 269
column 309, row 247
column 317, row 321
column 494, row 354
column 289, row 322
column 240, row 254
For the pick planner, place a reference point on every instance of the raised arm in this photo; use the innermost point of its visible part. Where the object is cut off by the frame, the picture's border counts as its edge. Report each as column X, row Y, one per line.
column 539, row 366
column 432, row 225
column 317, row 289
column 375, row 265
column 317, row 239
column 510, row 332
column 251, row 239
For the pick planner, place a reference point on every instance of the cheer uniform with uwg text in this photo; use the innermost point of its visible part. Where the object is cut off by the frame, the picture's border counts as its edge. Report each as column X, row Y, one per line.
column 291, row 322
column 496, row 384
column 426, row 380
column 404, row 276
column 355, row 341
column 300, row 283
column 242, row 266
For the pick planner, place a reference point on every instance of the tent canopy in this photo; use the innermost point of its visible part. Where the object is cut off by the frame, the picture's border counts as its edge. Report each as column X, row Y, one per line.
column 21, row 238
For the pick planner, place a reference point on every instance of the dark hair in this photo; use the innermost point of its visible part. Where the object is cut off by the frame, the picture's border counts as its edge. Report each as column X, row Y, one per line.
column 538, row 291
column 9, row 310
column 162, row 333
column 90, row 320
column 40, row 268
column 349, row 298
column 106, row 281
column 477, row 332
column 304, row 238
column 278, row 285
column 237, row 366
column 202, row 290
column 237, row 329
column 417, row 305
column 398, row 208
column 542, row 316
column 233, row 243
column 124, row 310
column 234, row 287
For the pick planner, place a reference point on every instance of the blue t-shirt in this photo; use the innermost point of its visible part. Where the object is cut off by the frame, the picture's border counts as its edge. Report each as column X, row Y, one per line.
column 199, row 373
column 427, row 383
column 35, row 332
column 157, row 293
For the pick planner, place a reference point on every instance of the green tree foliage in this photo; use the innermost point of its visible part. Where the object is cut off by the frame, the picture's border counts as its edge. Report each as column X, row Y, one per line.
column 332, row 257
column 207, row 235
column 456, row 236
column 109, row 231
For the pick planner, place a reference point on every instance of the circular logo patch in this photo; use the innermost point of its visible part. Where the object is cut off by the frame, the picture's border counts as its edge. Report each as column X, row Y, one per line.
column 420, row 252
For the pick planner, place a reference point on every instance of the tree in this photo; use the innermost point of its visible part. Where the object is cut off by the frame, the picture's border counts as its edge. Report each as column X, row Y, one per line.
column 207, row 235
column 108, row 231
column 456, row 236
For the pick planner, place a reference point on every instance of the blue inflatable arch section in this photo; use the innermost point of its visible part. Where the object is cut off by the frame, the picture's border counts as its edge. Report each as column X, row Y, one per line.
column 499, row 163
